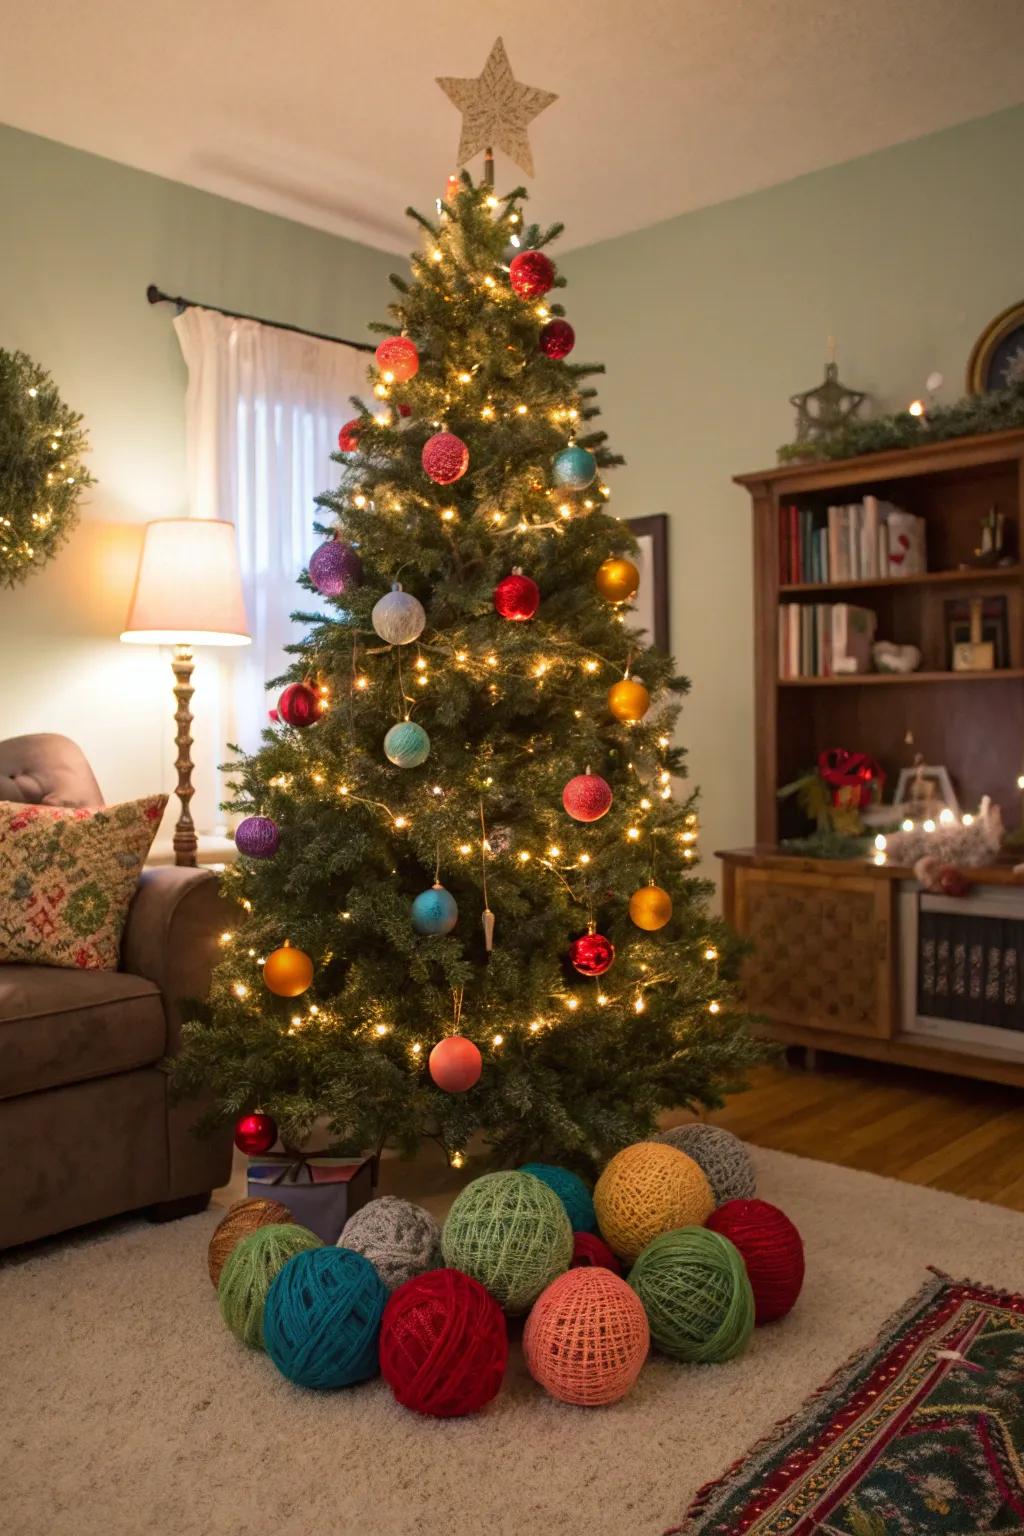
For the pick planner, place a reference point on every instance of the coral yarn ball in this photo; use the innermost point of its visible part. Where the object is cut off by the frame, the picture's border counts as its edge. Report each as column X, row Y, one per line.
column 727, row 1164
column 587, row 797
column 322, row 1318
column 510, row 1232
column 255, row 1133
column 348, row 437
column 398, row 617
column 587, row 1338
column 455, row 1064
column 443, row 1344
column 406, row 744
column 531, row 274
column 629, row 700
column 648, row 1189
column 287, row 972
column 445, row 458
column 557, row 339
column 335, row 568
column 258, row 837
column 250, row 1270
column 696, row 1294
column 299, row 706
column 398, row 356
column 434, row 912
column 517, row 597
column 772, row 1250
column 650, row 907
column 242, row 1218
column 591, row 954
column 589, row 1250
column 571, row 1190
column 399, row 1239
column 617, row 580
column 574, row 468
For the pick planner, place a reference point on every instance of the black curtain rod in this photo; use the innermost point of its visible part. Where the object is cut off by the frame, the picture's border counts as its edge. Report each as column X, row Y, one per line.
column 155, row 296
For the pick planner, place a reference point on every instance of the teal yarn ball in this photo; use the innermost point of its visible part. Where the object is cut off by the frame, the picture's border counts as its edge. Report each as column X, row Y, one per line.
column 574, row 468
column 571, row 1190
column 434, row 912
column 322, row 1318
column 510, row 1232
column 250, row 1270
column 407, row 744
column 694, row 1287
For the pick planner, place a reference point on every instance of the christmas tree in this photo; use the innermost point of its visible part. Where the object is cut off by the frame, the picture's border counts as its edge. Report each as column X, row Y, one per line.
column 469, row 902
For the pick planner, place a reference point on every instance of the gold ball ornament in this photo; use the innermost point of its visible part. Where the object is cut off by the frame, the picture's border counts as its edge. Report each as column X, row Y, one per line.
column 288, row 971
column 629, row 700
column 617, row 580
column 650, row 907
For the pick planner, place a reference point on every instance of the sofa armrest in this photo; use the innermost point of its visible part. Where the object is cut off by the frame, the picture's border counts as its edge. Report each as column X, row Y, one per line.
column 171, row 937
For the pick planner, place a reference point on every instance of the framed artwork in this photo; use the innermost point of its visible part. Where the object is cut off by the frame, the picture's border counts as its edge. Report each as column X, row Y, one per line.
column 997, row 357
column 992, row 625
column 923, row 792
column 651, row 534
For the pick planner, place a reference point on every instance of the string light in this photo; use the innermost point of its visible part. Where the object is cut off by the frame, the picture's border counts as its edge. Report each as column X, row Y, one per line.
column 346, row 916
column 487, row 412
column 498, row 1040
column 296, row 1020
column 714, row 1007
column 421, row 663
column 465, row 848
column 491, row 200
column 380, row 1029
column 436, row 255
column 572, row 1003
column 488, row 282
column 400, row 822
column 226, row 937
column 458, row 1160
column 591, row 665
column 535, row 1027
column 465, row 378
column 639, row 1005
column 362, row 681
column 359, row 499
column 602, row 999
column 711, row 953
column 416, row 1048
column 645, row 804
column 524, row 857
column 240, row 989
column 584, row 858
column 554, row 852
column 632, row 833
column 521, row 409
column 663, row 741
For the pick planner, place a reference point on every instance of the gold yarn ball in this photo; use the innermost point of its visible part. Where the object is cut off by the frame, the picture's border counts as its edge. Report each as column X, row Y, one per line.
column 242, row 1218
column 288, row 971
column 629, row 700
column 647, row 1189
column 650, row 907
column 617, row 580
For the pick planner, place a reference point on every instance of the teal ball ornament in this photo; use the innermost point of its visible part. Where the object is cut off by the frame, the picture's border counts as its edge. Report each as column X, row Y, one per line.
column 398, row 617
column 322, row 1318
column 407, row 744
column 574, row 468
column 571, row 1190
column 434, row 912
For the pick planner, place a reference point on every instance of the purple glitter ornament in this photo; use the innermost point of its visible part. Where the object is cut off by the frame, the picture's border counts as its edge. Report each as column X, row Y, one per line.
column 257, row 837
column 335, row 568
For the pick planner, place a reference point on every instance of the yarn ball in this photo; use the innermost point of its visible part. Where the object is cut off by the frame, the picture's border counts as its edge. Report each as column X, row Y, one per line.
column 443, row 1344
column 772, row 1250
column 455, row 1064
column 397, row 356
column 398, row 617
column 322, row 1318
column 510, row 1232
column 573, row 468
column 255, row 1133
column 588, row 1249
column 348, row 437
column 617, row 580
column 434, row 912
column 571, row 1190
column 531, row 274
column 399, row 1239
column 249, row 1272
column 242, row 1218
column 258, row 837
column 287, row 972
column 650, row 908
column 587, row 797
column 725, row 1160
column 445, row 458
column 299, row 705
column 591, row 954
column 586, row 1338
column 628, row 700
column 557, row 339
column 696, row 1294
column 335, row 568
column 407, row 744
column 517, row 597
column 647, row 1189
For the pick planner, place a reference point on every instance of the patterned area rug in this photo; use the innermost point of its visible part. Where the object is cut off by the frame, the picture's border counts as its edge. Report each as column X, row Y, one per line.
column 921, row 1434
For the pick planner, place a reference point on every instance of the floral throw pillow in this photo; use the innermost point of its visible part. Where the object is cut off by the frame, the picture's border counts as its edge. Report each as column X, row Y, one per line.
column 67, row 878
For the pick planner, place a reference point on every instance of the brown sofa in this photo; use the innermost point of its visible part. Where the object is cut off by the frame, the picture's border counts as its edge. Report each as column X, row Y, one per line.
column 86, row 1126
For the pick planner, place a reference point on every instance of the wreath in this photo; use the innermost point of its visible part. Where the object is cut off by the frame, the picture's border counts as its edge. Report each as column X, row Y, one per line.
column 42, row 475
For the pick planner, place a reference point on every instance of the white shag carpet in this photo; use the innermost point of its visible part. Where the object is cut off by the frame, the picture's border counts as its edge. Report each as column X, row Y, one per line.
column 127, row 1406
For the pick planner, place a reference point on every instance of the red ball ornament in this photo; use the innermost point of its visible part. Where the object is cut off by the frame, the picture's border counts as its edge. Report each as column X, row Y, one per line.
column 348, row 437
column 953, row 882
column 397, row 356
column 445, row 458
column 443, row 1344
column 591, row 954
column 557, row 339
column 299, row 705
column 531, row 274
column 772, row 1250
column 516, row 596
column 255, row 1134
column 587, row 797
column 592, row 1252
column 455, row 1064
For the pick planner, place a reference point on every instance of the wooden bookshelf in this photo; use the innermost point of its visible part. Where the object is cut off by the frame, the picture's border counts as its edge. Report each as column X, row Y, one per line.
column 981, row 576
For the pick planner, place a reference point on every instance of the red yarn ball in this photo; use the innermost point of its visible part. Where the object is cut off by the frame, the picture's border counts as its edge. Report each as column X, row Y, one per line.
column 398, row 356
column 587, row 797
column 348, row 437
column 299, row 705
column 772, row 1250
column 445, row 458
column 455, row 1064
column 517, row 597
column 443, row 1344
column 255, row 1134
column 531, row 274
column 591, row 954
column 557, row 339
column 592, row 1252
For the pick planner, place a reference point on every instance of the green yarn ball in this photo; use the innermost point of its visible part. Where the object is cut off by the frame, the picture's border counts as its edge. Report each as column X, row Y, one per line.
column 247, row 1275
column 694, row 1287
column 510, row 1232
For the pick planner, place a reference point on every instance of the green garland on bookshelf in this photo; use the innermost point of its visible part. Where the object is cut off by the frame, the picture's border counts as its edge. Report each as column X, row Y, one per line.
column 996, row 411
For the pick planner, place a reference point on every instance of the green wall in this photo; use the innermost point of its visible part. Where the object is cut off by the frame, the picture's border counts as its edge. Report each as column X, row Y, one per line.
column 710, row 321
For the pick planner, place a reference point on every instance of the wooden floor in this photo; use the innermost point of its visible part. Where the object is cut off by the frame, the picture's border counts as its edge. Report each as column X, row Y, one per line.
column 945, row 1132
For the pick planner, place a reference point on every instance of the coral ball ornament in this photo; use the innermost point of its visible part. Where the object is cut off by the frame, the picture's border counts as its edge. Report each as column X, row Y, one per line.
column 557, row 339
column 348, row 437
column 517, row 597
column 255, row 1134
column 617, row 580
column 587, row 797
column 531, row 274
column 443, row 1344
column 335, row 568
column 287, row 972
column 258, row 837
column 299, row 706
column 445, row 458
column 587, row 1338
column 398, row 356
column 574, row 468
column 434, row 912
column 455, row 1064
column 591, row 954
column 406, row 744
column 772, row 1250
column 650, row 907
column 628, row 701
column 398, row 617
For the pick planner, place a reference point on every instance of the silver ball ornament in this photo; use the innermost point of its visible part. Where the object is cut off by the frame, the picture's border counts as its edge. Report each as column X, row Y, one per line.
column 398, row 617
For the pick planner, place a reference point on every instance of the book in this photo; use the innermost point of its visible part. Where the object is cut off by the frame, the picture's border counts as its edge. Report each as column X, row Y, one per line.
column 853, row 632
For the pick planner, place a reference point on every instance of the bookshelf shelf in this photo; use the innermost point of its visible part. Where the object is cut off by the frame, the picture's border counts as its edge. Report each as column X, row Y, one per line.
column 893, row 679
column 962, row 578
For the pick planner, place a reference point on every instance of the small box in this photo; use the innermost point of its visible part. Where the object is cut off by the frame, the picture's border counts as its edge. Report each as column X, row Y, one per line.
column 321, row 1192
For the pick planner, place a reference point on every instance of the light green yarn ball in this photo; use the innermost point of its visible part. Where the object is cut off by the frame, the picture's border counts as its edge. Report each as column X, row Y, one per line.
column 510, row 1232
column 247, row 1275
column 694, row 1287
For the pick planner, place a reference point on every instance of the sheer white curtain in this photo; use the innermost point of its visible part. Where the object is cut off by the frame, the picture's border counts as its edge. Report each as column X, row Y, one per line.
column 262, row 416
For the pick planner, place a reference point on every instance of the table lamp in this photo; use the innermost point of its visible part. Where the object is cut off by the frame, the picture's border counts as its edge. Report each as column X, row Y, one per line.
column 188, row 592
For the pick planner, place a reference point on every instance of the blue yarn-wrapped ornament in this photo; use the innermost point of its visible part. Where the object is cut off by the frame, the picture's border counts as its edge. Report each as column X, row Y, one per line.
column 335, row 568
column 573, row 468
column 258, row 837
column 434, row 912
column 406, row 744
column 321, row 1320
column 571, row 1190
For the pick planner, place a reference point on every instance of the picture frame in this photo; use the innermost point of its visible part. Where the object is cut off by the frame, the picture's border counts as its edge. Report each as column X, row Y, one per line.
column 652, row 599
column 911, row 796
column 995, row 630
column 997, row 357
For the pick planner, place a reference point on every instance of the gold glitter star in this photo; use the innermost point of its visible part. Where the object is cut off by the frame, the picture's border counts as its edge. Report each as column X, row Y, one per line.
column 496, row 110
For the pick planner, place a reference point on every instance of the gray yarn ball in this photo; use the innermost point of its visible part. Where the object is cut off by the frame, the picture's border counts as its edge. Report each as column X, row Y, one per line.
column 399, row 1239
column 723, row 1157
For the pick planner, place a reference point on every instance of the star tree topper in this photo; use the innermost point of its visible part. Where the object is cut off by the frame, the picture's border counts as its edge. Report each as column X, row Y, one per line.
column 496, row 110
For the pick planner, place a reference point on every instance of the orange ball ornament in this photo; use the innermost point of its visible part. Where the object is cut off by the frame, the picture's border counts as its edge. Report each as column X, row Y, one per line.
column 629, row 700
column 617, row 580
column 287, row 971
column 650, row 907
column 455, row 1064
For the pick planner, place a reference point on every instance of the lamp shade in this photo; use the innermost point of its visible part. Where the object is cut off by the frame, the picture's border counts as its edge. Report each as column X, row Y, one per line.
column 188, row 589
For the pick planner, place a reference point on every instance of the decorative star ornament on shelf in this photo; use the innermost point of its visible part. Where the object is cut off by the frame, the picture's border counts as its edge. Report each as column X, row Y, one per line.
column 496, row 110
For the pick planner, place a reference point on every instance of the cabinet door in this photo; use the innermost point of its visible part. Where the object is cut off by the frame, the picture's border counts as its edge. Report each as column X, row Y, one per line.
column 822, row 954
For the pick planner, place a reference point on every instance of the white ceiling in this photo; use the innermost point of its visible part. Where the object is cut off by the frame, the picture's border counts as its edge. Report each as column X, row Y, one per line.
column 328, row 113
